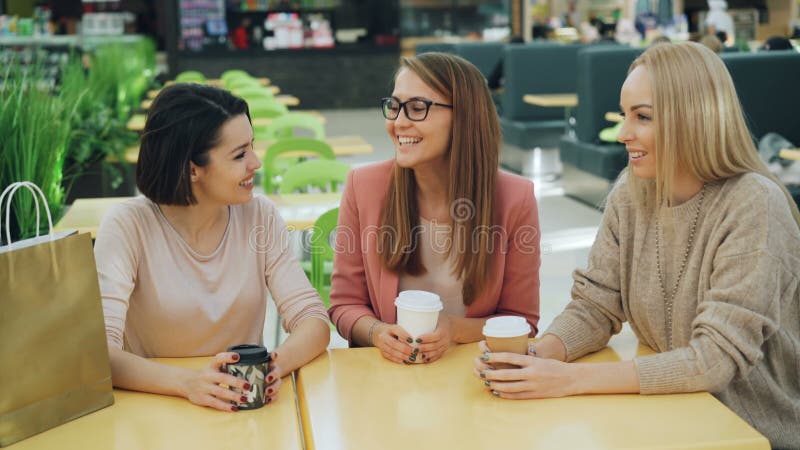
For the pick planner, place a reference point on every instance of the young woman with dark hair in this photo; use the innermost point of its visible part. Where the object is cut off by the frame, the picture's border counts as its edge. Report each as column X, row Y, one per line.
column 185, row 269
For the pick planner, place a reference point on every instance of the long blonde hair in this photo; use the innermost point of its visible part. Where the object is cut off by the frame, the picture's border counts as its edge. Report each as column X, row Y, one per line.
column 473, row 154
column 699, row 123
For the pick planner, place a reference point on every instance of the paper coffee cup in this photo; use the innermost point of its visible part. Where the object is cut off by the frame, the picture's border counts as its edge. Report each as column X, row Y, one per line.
column 507, row 334
column 418, row 311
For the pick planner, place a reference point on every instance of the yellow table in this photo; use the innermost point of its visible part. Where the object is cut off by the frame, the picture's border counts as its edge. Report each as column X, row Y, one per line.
column 299, row 211
column 613, row 116
column 552, row 100
column 218, row 81
column 287, row 100
column 353, row 398
column 137, row 121
column 148, row 421
column 341, row 145
column 790, row 153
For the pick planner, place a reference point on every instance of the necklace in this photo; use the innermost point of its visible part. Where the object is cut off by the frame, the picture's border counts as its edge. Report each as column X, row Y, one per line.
column 669, row 299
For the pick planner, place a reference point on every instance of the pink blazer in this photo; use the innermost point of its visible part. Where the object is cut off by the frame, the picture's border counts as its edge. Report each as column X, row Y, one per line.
column 362, row 286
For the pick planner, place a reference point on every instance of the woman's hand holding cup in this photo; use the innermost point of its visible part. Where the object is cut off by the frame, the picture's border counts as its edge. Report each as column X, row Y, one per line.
column 393, row 342
column 433, row 345
column 273, row 379
column 202, row 387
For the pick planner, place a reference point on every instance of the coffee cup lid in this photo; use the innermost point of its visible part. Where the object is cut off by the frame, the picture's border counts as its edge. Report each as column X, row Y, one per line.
column 249, row 353
column 419, row 301
column 506, row 326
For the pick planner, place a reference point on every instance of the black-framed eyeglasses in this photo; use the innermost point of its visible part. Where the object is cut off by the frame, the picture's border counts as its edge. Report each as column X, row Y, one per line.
column 416, row 109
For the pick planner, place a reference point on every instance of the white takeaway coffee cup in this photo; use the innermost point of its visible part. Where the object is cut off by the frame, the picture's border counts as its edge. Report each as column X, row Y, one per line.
column 418, row 311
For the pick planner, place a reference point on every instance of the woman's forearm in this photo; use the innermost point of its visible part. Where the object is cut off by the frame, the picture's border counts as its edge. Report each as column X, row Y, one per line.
column 309, row 338
column 605, row 378
column 132, row 372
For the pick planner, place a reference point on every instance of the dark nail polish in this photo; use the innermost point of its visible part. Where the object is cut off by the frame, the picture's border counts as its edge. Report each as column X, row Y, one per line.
column 415, row 351
column 243, row 399
column 424, row 356
column 235, row 356
column 496, row 394
column 234, row 408
column 487, row 383
column 419, row 341
column 405, row 362
column 412, row 358
column 269, row 391
column 247, row 386
column 485, row 356
column 483, row 374
column 409, row 340
column 270, row 378
column 269, row 399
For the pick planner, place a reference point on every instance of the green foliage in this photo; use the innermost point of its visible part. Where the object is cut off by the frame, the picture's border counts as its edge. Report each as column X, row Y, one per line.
column 97, row 133
column 35, row 130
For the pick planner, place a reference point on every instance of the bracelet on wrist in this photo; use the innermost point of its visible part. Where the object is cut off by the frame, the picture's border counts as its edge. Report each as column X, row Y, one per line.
column 371, row 331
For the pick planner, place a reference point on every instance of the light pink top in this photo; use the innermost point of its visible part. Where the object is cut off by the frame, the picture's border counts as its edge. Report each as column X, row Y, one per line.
column 439, row 262
column 163, row 299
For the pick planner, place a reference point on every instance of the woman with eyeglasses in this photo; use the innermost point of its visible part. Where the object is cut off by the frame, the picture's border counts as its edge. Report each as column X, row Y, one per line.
column 185, row 269
column 439, row 217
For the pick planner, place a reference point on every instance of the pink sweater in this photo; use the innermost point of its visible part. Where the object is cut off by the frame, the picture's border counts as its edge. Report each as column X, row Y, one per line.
column 163, row 299
column 362, row 286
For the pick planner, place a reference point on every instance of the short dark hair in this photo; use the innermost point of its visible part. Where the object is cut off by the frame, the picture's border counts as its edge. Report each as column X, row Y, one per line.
column 182, row 126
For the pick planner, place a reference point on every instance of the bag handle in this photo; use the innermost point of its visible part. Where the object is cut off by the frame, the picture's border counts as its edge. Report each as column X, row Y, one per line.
column 34, row 189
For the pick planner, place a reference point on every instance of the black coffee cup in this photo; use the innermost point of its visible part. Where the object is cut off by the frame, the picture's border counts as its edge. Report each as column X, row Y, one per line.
column 253, row 366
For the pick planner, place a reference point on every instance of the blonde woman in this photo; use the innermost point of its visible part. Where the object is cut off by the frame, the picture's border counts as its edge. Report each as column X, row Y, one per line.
column 438, row 217
column 698, row 251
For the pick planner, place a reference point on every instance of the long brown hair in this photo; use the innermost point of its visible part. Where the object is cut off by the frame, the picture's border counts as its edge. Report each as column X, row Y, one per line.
column 700, row 127
column 473, row 154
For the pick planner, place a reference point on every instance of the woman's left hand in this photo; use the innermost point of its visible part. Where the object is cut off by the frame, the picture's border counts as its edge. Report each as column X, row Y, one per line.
column 273, row 380
column 535, row 378
column 433, row 345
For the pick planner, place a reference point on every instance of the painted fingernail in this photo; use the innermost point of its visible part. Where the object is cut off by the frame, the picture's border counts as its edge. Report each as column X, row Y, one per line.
column 243, row 399
column 405, row 362
column 496, row 394
column 234, row 408
column 487, row 383
column 247, row 386
column 424, row 356
column 419, row 341
column 270, row 378
column 415, row 351
column 485, row 356
column 409, row 340
column 269, row 399
column 483, row 374
column 269, row 391
column 235, row 356
column 412, row 358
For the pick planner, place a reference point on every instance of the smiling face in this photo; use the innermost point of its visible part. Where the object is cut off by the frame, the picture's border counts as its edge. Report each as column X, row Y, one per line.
column 227, row 179
column 638, row 131
column 424, row 143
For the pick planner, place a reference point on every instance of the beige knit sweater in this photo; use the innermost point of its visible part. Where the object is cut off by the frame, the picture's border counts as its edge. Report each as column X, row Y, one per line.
column 736, row 313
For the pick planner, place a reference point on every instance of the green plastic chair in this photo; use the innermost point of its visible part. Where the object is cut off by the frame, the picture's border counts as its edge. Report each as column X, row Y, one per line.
column 266, row 109
column 610, row 134
column 324, row 174
column 322, row 254
column 231, row 74
column 285, row 126
column 242, row 83
column 273, row 154
column 253, row 92
column 190, row 76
